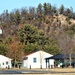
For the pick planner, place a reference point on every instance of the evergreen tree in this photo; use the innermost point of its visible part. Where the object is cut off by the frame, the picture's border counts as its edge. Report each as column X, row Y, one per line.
column 61, row 9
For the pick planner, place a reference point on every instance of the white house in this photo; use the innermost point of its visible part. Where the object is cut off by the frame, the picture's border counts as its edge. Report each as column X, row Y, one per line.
column 0, row 30
column 5, row 62
column 37, row 60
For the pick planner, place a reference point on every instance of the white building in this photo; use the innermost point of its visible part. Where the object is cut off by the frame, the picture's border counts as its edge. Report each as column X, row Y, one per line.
column 0, row 31
column 37, row 60
column 5, row 62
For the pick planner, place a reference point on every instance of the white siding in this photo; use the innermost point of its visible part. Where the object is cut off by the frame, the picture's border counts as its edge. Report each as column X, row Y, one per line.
column 40, row 60
column 0, row 31
column 25, row 63
column 5, row 62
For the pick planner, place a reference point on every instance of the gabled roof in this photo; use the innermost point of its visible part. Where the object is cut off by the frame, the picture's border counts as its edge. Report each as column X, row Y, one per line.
column 2, row 56
column 61, row 56
column 35, row 52
column 30, row 53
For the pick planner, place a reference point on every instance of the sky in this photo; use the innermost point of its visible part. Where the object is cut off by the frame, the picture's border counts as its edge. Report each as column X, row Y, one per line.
column 17, row 4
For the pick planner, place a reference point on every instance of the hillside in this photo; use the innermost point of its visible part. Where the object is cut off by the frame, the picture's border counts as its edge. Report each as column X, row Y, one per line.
column 45, row 27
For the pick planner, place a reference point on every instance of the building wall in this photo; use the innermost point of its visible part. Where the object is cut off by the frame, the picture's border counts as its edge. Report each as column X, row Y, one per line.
column 25, row 63
column 5, row 62
column 37, row 60
column 0, row 31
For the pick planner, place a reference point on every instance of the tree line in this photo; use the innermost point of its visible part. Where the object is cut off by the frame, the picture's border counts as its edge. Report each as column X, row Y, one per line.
column 30, row 29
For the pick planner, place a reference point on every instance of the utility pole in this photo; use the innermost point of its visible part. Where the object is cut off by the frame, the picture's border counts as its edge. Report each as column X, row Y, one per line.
column 40, row 59
column 70, row 59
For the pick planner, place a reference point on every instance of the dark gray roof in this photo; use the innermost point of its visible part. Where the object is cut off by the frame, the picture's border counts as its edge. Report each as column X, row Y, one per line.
column 61, row 56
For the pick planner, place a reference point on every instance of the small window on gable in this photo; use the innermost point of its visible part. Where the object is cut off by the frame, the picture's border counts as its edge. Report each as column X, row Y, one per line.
column 6, row 63
column 34, row 60
column 3, row 63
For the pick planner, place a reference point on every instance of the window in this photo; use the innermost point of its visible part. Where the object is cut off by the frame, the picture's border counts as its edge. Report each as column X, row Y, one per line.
column 3, row 63
column 6, row 63
column 34, row 60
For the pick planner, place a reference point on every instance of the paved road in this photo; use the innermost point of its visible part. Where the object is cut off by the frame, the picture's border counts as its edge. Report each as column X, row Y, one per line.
column 31, row 72
column 10, row 72
column 22, row 72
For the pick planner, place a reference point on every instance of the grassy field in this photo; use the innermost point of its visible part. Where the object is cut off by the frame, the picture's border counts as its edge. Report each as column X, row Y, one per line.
column 39, row 74
column 48, row 74
column 63, row 69
column 55, row 70
column 58, row 70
